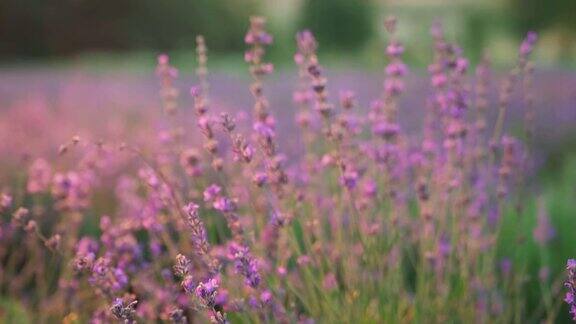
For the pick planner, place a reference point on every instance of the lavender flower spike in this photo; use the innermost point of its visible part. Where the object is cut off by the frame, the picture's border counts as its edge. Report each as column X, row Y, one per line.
column 198, row 231
column 124, row 311
column 245, row 264
column 570, row 297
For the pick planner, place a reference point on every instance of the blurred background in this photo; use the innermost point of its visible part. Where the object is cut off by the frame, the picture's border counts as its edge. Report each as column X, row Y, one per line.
column 57, row 56
column 128, row 33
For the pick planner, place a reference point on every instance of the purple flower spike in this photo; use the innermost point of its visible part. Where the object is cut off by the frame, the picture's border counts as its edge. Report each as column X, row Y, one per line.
column 570, row 297
column 245, row 264
column 207, row 291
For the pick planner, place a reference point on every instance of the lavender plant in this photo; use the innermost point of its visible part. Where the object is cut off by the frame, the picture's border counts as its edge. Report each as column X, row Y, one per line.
column 369, row 224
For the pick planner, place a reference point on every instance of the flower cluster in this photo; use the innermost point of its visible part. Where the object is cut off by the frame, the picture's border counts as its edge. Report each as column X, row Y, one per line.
column 356, row 219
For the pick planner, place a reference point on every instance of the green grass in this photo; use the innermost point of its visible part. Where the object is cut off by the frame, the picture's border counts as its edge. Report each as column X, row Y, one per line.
column 557, row 190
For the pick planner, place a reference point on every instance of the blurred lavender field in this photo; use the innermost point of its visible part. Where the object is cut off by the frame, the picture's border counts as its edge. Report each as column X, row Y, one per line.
column 287, row 161
column 44, row 107
column 214, row 197
column 102, row 104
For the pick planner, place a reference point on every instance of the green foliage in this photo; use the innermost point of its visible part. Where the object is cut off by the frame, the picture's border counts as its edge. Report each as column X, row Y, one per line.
column 51, row 28
column 339, row 24
column 538, row 14
column 558, row 179
column 13, row 312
